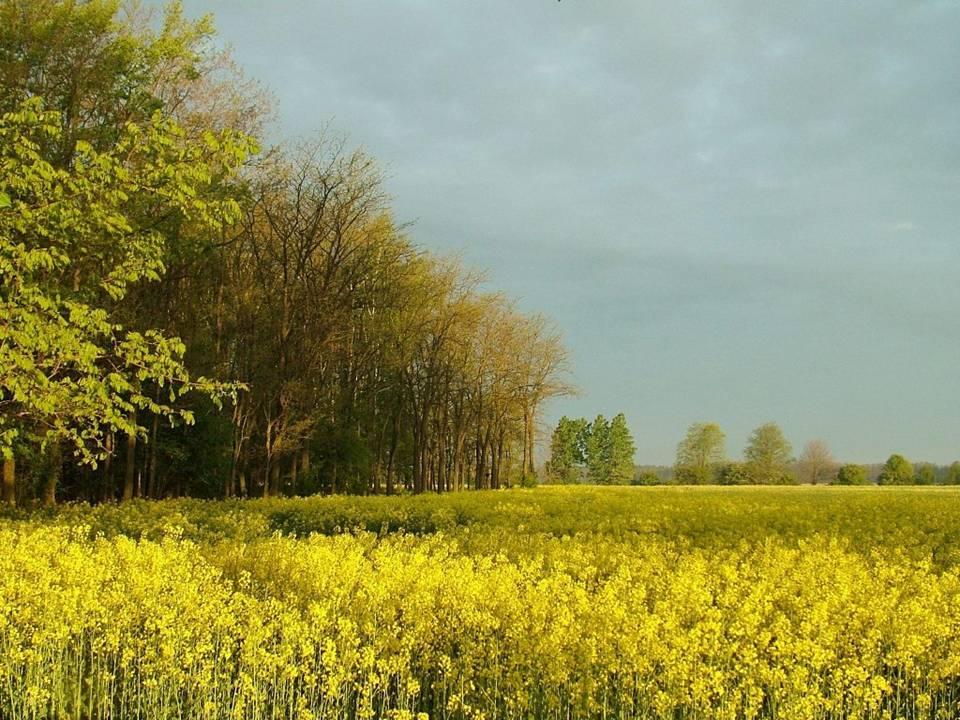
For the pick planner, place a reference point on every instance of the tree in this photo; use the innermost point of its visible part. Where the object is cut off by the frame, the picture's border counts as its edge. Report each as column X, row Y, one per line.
column 768, row 455
column 734, row 473
column 68, row 370
column 896, row 471
column 816, row 463
column 953, row 473
column 567, row 451
column 699, row 454
column 139, row 261
column 598, row 454
column 646, row 478
column 622, row 450
column 926, row 474
column 851, row 474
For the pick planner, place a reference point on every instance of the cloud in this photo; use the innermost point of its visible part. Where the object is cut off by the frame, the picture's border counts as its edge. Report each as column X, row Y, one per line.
column 691, row 189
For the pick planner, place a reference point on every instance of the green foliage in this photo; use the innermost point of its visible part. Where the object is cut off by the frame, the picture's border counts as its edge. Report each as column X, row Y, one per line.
column 769, row 455
column 897, row 471
column 598, row 452
column 926, row 474
column 609, row 451
column 735, row 473
column 68, row 370
column 646, row 478
column 622, row 450
column 851, row 474
column 567, row 451
column 699, row 454
column 953, row 473
column 693, row 475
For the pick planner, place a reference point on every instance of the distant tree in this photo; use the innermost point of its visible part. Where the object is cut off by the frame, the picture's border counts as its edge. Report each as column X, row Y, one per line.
column 734, row 473
column 851, row 474
column 622, row 450
column 598, row 454
column 925, row 474
column 699, row 454
column 896, row 471
column 768, row 455
column 953, row 474
column 816, row 463
column 646, row 477
column 567, row 451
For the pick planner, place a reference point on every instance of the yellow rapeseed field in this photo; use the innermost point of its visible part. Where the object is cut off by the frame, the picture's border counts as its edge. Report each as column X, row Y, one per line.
column 552, row 603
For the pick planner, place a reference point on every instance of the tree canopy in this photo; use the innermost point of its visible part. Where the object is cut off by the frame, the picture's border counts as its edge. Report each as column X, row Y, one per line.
column 768, row 455
column 187, row 314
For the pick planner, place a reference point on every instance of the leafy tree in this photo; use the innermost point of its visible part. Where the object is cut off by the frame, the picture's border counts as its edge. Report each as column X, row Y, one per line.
column 953, row 473
column 769, row 455
column 598, row 452
column 646, row 478
column 567, row 450
column 816, row 463
column 699, row 454
column 622, row 450
column 896, row 471
column 734, row 473
column 68, row 371
column 926, row 474
column 851, row 474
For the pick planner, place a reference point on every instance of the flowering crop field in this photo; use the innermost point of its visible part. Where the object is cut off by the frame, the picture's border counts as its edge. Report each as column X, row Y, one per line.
column 550, row 603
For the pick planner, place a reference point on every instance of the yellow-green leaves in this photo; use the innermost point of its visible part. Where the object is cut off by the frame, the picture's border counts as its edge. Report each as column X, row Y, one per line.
column 72, row 242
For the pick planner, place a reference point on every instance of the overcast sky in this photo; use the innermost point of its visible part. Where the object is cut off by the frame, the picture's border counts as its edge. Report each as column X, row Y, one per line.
column 735, row 212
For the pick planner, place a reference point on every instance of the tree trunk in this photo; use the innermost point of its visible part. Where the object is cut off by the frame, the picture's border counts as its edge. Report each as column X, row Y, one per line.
column 152, row 454
column 9, row 480
column 305, row 463
column 275, row 477
column 130, row 467
column 55, row 466
column 109, row 489
column 528, row 468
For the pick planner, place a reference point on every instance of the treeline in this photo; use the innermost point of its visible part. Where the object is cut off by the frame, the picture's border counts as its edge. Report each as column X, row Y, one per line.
column 185, row 313
column 767, row 460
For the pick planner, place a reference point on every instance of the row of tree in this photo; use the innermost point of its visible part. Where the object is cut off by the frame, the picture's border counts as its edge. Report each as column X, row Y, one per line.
column 768, row 459
column 702, row 459
column 599, row 452
column 183, row 312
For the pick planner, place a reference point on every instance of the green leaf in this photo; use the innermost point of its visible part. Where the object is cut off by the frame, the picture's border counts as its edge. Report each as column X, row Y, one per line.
column 4, row 200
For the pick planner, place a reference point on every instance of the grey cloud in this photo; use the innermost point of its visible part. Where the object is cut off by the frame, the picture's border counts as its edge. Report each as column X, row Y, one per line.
column 735, row 210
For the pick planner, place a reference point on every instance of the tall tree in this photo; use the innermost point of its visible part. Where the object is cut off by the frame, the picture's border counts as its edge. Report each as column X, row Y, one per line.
column 768, row 455
column 567, row 450
column 68, row 371
column 700, row 454
column 622, row 451
column 598, row 451
column 896, row 471
column 816, row 464
column 953, row 473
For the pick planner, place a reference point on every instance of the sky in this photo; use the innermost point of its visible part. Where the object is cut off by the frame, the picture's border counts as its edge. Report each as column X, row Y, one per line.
column 735, row 212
